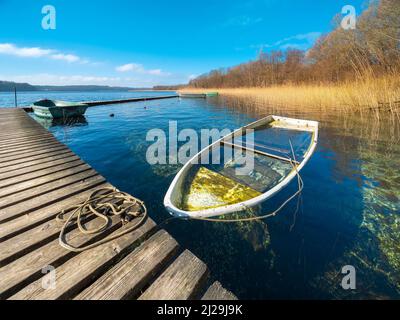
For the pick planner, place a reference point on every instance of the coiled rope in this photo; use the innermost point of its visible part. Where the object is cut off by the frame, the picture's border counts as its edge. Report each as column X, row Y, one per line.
column 103, row 203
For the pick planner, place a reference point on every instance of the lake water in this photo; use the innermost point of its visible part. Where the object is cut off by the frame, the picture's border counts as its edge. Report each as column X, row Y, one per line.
column 24, row 99
column 348, row 213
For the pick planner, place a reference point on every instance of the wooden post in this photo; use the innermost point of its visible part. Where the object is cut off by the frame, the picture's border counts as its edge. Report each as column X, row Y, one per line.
column 15, row 97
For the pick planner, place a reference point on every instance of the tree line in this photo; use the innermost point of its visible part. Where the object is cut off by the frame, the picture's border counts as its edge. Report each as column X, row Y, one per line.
column 372, row 49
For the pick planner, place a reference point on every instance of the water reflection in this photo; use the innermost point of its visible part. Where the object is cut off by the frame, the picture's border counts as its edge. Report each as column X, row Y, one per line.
column 67, row 122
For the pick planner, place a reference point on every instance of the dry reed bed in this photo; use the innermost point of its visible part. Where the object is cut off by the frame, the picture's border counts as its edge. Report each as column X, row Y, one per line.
column 371, row 95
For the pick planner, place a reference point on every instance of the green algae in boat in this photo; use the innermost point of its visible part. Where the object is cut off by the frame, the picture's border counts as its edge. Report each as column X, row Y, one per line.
column 210, row 190
column 54, row 109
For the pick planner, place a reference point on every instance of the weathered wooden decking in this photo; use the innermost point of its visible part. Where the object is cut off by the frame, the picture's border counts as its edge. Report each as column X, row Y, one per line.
column 39, row 177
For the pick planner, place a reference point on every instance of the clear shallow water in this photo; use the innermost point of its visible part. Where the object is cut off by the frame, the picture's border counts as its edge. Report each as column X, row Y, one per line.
column 348, row 213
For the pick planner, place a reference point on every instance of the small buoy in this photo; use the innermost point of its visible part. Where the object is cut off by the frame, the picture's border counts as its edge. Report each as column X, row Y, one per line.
column 112, row 115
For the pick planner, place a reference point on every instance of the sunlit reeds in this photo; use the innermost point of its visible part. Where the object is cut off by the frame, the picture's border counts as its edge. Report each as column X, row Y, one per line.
column 370, row 95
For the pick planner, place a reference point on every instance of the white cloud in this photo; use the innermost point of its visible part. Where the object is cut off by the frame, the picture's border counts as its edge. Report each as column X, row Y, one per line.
column 299, row 41
column 139, row 68
column 54, row 79
column 66, row 57
column 130, row 67
column 156, row 72
column 36, row 52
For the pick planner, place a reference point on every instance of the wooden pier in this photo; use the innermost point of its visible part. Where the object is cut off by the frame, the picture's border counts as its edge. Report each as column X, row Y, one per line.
column 106, row 102
column 119, row 101
column 39, row 177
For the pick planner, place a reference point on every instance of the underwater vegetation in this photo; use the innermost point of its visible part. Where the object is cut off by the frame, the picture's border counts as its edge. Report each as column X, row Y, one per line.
column 375, row 251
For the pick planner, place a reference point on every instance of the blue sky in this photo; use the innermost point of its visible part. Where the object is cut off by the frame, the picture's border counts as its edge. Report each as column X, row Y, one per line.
column 145, row 43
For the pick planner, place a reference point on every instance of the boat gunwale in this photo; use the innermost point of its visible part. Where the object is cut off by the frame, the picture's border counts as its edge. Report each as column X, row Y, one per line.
column 311, row 126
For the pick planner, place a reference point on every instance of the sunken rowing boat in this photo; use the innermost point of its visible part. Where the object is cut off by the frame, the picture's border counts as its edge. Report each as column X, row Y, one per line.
column 280, row 148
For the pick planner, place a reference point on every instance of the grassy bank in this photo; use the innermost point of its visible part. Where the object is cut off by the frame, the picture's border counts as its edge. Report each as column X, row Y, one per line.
column 371, row 95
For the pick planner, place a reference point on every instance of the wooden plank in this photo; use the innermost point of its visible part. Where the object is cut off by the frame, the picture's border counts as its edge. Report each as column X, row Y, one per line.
column 32, row 141
column 27, row 190
column 10, row 113
column 86, row 267
column 10, row 109
column 181, row 281
column 32, row 172
column 129, row 276
column 7, row 110
column 20, row 134
column 39, row 155
column 17, row 154
column 217, row 292
column 19, row 150
column 36, row 198
column 64, row 198
column 41, row 167
column 36, row 237
column 13, row 117
column 21, row 164
column 21, row 126
column 37, row 152
column 19, row 123
column 11, row 187
column 6, row 140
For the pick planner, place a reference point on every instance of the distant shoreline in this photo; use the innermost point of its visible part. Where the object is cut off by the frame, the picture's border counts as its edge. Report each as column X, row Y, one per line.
column 151, row 90
column 8, row 86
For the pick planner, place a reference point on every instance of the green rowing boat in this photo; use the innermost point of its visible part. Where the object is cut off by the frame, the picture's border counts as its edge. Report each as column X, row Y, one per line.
column 54, row 109
column 198, row 95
